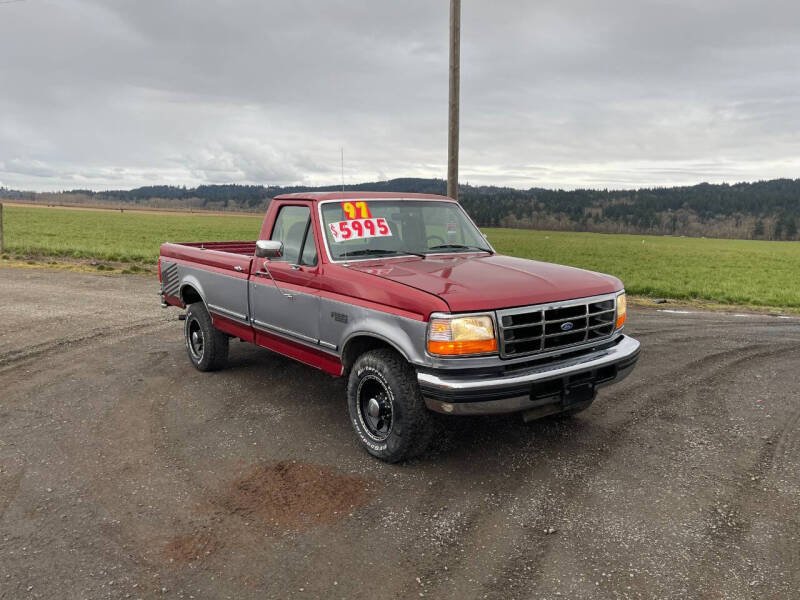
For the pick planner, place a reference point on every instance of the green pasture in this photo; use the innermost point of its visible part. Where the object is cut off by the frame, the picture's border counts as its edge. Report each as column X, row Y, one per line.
column 725, row 271
column 113, row 235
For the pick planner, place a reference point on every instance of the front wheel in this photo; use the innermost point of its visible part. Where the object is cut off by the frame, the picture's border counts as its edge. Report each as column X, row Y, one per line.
column 206, row 346
column 386, row 408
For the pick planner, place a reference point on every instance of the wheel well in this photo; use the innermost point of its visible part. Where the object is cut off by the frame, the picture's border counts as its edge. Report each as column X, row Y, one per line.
column 189, row 295
column 357, row 346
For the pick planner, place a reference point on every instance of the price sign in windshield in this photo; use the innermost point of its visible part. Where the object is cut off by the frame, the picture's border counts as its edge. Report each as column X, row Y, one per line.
column 356, row 210
column 354, row 229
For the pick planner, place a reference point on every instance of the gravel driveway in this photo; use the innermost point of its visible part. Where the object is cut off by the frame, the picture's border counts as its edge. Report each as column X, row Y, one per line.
column 125, row 473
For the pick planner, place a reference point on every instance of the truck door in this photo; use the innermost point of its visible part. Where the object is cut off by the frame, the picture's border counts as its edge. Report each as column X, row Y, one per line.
column 289, row 305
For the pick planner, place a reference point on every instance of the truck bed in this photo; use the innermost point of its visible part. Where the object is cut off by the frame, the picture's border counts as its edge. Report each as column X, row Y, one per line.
column 229, row 257
column 246, row 248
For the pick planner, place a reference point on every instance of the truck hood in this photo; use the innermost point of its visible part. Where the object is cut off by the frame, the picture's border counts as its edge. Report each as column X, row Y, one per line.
column 475, row 283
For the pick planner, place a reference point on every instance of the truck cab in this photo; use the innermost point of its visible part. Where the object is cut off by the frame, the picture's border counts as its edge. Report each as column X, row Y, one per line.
column 403, row 295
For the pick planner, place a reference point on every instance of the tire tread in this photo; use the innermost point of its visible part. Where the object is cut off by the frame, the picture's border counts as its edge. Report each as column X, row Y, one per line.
column 215, row 350
column 418, row 426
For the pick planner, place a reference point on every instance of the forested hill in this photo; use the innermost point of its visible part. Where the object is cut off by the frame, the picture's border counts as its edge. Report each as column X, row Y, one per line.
column 761, row 210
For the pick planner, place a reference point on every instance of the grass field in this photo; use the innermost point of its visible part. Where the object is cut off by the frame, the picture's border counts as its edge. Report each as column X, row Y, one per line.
column 128, row 236
column 724, row 271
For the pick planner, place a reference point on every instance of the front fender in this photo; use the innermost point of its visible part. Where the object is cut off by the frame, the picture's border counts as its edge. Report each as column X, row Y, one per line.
column 340, row 323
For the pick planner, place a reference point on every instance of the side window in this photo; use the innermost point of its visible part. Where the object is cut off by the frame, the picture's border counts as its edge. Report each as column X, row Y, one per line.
column 293, row 228
column 309, row 249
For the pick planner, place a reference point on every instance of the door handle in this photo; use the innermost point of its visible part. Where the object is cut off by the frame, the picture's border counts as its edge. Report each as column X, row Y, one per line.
column 238, row 268
column 295, row 267
column 277, row 287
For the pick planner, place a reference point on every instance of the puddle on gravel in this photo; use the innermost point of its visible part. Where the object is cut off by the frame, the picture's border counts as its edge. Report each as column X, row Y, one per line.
column 294, row 494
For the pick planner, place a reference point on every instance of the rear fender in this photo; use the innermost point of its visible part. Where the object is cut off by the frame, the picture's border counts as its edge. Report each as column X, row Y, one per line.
column 190, row 281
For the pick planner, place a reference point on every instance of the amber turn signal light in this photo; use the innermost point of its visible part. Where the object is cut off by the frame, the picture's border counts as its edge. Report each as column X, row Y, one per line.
column 454, row 348
column 622, row 310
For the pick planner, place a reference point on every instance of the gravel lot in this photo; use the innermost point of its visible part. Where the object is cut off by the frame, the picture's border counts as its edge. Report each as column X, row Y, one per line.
column 125, row 473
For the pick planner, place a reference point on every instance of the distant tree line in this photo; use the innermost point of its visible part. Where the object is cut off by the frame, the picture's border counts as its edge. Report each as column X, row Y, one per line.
column 760, row 210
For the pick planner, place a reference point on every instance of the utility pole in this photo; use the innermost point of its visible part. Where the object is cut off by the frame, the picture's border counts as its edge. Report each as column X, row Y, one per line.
column 2, row 236
column 455, row 76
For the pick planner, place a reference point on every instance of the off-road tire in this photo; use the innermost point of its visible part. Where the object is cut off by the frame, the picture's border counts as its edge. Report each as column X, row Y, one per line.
column 212, row 354
column 412, row 425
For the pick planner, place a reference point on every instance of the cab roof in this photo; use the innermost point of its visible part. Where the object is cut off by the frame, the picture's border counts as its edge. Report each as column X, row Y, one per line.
column 317, row 196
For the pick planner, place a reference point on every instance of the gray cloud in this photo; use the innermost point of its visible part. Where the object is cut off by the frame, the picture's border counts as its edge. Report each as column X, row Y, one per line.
column 100, row 93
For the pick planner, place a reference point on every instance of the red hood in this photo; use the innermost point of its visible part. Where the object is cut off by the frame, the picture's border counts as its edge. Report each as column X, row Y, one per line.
column 473, row 283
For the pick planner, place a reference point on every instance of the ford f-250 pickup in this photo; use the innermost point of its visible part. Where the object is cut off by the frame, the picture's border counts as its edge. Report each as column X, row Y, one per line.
column 403, row 295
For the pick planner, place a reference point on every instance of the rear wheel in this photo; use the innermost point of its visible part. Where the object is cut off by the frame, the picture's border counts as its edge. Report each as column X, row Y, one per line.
column 206, row 346
column 386, row 408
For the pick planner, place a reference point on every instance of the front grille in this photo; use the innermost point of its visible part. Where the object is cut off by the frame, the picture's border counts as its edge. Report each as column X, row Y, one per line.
column 548, row 327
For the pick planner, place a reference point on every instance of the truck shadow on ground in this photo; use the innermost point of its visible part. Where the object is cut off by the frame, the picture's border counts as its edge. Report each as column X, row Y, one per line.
column 297, row 388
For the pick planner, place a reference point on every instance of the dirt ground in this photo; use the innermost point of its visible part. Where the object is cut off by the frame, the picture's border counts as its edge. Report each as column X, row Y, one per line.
column 125, row 473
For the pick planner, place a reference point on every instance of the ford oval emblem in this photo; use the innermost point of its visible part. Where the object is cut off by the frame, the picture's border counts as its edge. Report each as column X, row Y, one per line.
column 567, row 326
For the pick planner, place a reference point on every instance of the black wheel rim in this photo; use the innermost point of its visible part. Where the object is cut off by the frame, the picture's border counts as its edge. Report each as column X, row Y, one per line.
column 375, row 408
column 194, row 339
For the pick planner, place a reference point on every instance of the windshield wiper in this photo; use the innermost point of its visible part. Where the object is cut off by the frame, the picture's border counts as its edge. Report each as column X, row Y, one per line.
column 379, row 251
column 460, row 247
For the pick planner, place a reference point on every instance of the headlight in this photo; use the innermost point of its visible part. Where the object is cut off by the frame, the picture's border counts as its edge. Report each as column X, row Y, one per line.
column 449, row 336
column 622, row 310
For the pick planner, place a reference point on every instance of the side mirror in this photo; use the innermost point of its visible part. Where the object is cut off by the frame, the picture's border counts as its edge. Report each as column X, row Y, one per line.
column 269, row 249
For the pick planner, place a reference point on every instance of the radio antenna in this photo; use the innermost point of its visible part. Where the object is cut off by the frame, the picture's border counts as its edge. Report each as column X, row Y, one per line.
column 342, row 149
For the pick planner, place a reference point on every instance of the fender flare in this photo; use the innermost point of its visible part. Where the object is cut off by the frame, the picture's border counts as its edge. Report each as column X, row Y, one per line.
column 370, row 334
column 193, row 282
column 396, row 338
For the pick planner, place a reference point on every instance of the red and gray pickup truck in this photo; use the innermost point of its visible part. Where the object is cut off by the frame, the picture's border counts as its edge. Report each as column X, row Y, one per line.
column 403, row 295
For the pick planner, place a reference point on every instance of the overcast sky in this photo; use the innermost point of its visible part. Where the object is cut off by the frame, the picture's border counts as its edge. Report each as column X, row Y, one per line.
column 116, row 94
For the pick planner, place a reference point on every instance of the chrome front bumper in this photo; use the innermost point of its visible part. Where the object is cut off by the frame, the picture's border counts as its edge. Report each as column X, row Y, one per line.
column 544, row 384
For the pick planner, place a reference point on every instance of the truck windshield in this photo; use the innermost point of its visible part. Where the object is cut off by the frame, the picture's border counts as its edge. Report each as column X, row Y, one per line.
column 383, row 228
